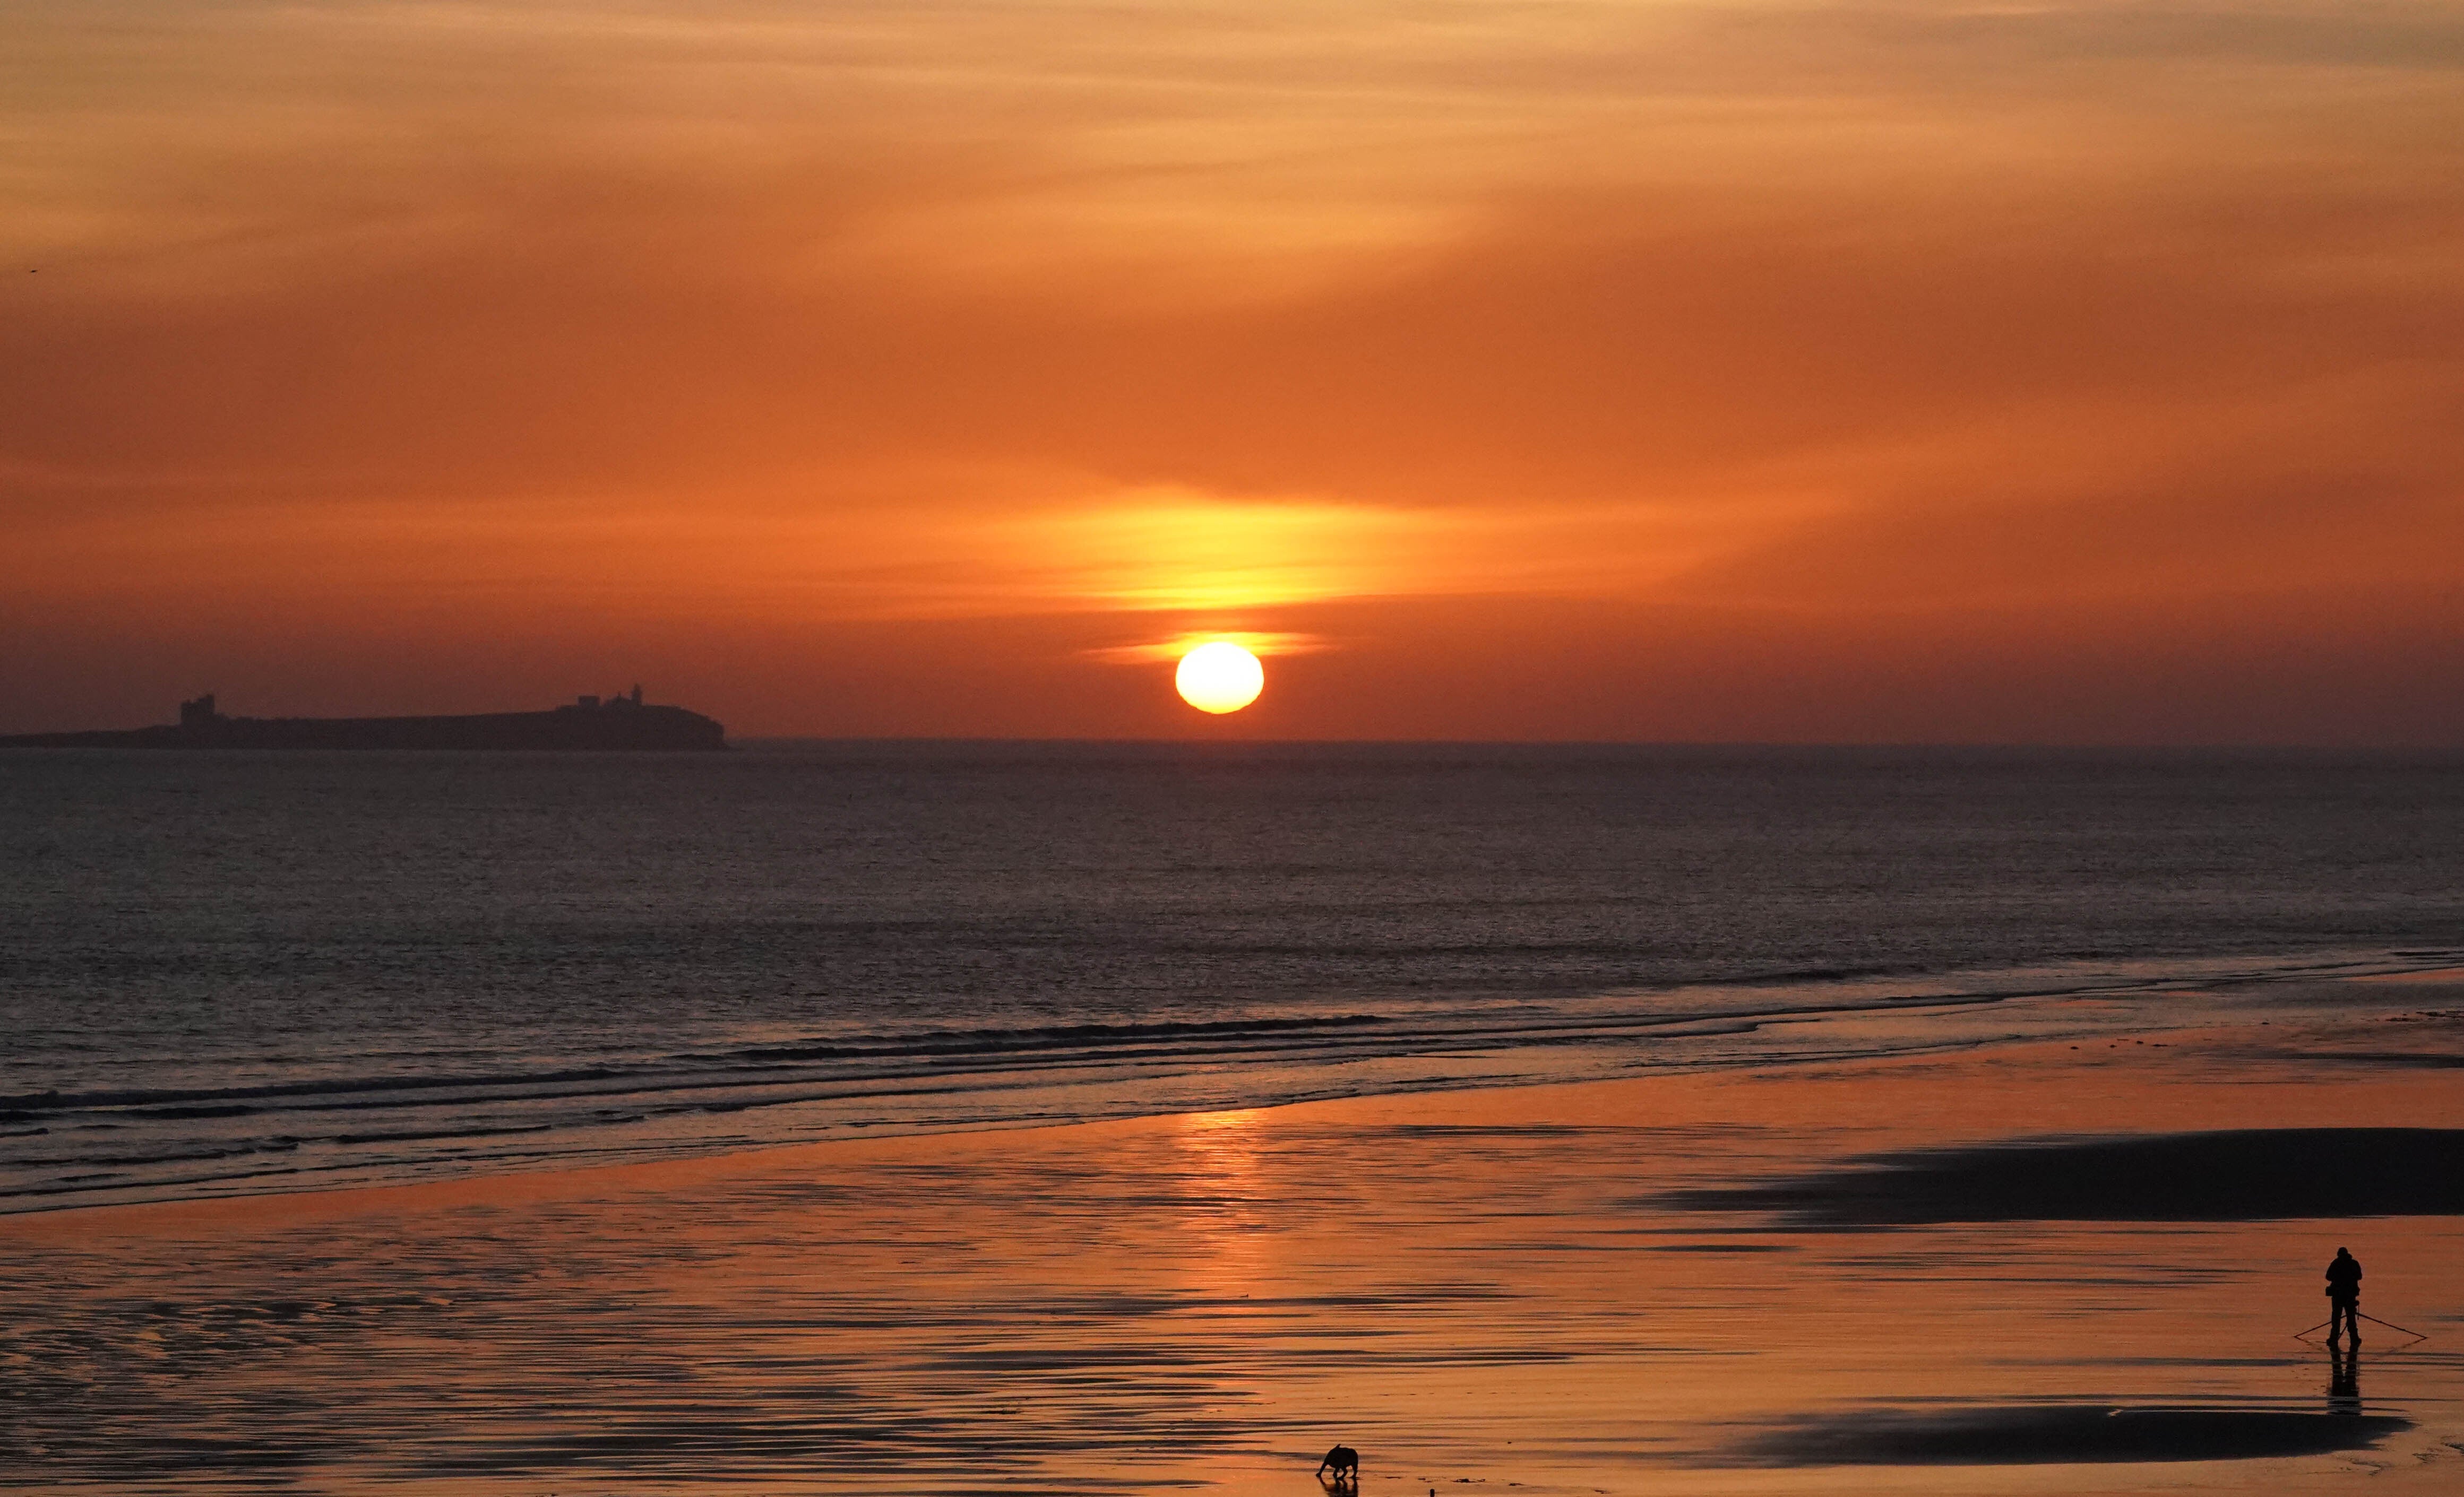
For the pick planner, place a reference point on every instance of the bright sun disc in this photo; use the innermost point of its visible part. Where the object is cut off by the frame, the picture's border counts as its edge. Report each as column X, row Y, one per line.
column 1220, row 678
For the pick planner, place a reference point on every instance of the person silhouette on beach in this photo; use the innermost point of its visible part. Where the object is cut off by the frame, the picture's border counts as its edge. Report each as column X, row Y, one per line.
column 2345, row 1296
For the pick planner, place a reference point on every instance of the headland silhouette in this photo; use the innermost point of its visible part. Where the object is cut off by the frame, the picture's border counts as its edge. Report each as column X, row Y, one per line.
column 621, row 722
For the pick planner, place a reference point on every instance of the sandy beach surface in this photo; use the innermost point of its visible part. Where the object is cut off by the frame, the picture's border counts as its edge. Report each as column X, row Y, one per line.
column 1815, row 1279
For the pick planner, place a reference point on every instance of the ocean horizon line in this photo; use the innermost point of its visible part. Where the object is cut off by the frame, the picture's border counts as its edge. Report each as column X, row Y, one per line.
column 764, row 741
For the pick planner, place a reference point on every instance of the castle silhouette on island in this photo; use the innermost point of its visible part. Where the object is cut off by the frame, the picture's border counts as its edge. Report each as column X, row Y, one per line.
column 589, row 722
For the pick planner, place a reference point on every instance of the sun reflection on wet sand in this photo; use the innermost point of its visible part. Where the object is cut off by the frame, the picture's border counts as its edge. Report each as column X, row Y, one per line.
column 1226, row 1256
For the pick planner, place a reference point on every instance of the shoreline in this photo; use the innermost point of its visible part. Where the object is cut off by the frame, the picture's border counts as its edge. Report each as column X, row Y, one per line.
column 1499, row 1286
column 1701, row 1036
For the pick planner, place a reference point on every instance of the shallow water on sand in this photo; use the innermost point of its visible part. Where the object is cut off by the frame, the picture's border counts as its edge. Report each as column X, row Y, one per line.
column 1490, row 1288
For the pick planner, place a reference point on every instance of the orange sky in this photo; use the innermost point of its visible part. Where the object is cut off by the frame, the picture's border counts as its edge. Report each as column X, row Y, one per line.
column 1514, row 369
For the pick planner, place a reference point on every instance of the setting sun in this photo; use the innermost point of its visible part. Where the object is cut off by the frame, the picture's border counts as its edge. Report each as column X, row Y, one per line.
column 1220, row 678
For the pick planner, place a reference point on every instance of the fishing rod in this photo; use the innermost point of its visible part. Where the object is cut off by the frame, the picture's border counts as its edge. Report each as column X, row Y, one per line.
column 2417, row 1336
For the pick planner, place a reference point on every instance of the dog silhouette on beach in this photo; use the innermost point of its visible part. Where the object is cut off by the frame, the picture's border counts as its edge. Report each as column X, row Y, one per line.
column 1342, row 1468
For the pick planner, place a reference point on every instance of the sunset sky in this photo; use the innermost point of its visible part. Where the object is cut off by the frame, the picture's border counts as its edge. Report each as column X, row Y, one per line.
column 1497, row 369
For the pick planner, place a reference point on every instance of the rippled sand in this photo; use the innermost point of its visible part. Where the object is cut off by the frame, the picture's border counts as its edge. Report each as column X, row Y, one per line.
column 1555, row 1289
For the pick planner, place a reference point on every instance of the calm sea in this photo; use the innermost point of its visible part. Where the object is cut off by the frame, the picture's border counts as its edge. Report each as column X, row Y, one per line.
column 223, row 973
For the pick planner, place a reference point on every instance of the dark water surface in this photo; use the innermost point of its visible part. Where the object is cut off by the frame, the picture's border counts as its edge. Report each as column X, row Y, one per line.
column 239, row 971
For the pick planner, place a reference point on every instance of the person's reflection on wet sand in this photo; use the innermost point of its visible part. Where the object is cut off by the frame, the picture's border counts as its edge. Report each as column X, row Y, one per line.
column 2343, row 1379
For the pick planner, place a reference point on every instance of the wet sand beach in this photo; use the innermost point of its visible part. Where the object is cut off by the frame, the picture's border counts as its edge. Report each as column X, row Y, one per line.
column 2048, row 1268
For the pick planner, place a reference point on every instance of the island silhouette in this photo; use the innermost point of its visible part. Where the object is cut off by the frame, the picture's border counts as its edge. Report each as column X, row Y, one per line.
column 622, row 721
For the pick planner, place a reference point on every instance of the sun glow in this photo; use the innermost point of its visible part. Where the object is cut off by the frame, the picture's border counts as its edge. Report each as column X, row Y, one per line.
column 1220, row 678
